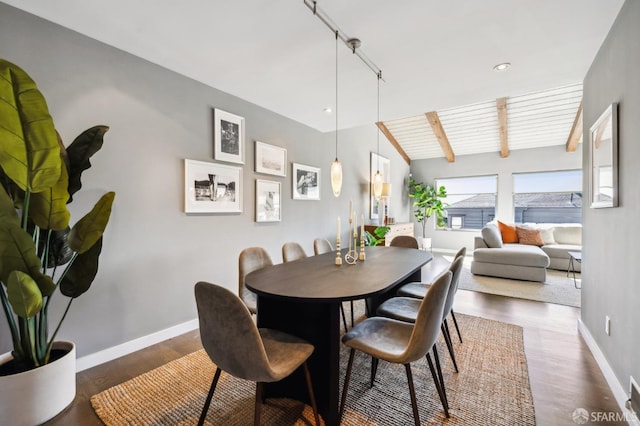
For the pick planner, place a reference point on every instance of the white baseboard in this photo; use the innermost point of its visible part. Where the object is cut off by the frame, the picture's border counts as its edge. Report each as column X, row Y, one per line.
column 619, row 392
column 126, row 348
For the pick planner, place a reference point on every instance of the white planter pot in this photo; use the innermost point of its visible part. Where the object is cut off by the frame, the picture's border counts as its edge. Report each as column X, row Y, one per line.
column 425, row 243
column 35, row 396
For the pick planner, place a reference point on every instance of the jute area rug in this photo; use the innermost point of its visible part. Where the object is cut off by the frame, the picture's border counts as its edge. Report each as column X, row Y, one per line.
column 492, row 388
column 558, row 288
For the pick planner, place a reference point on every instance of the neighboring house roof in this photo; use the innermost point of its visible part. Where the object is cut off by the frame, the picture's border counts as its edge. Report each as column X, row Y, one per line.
column 561, row 199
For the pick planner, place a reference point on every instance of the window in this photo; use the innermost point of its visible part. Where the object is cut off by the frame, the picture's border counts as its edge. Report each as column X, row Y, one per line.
column 471, row 201
column 548, row 197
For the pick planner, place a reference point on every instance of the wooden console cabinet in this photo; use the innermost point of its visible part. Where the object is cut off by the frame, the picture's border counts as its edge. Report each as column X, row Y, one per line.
column 394, row 230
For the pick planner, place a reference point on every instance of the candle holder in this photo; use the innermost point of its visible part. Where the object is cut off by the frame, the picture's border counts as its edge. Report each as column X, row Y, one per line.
column 352, row 255
column 338, row 258
column 362, row 254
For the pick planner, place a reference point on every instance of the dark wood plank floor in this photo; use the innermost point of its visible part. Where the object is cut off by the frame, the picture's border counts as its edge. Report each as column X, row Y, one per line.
column 564, row 375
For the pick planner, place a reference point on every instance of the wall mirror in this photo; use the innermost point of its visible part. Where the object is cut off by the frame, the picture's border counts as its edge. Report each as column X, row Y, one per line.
column 604, row 159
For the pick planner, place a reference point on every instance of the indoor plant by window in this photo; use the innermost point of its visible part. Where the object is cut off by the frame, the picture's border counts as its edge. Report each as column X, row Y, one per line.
column 39, row 252
column 427, row 202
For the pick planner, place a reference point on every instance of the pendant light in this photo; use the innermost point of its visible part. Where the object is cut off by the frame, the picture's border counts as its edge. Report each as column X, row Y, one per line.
column 336, row 166
column 377, row 178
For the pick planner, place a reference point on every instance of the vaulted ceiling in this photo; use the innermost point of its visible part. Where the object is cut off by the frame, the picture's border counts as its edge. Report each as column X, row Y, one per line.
column 437, row 59
column 534, row 120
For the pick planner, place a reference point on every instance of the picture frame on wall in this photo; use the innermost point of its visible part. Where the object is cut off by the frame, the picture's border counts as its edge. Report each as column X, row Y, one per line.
column 305, row 182
column 228, row 137
column 268, row 196
column 383, row 164
column 212, row 187
column 270, row 159
column 603, row 137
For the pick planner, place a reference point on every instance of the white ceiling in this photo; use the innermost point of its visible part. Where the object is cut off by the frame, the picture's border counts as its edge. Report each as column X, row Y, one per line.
column 435, row 55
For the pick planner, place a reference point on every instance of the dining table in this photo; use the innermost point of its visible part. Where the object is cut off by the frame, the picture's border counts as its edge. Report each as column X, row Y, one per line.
column 303, row 298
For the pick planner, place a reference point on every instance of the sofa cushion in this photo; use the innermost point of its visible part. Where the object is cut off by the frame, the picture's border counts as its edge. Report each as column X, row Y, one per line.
column 529, row 236
column 491, row 236
column 560, row 250
column 568, row 234
column 513, row 254
column 508, row 233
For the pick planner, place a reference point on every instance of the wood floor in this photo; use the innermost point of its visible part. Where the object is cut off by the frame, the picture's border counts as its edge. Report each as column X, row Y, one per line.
column 563, row 374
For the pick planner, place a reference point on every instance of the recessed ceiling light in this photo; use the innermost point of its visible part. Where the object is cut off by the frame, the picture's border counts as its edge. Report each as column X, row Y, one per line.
column 327, row 110
column 503, row 66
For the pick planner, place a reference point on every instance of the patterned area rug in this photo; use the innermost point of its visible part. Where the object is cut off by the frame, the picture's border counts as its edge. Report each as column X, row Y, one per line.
column 492, row 387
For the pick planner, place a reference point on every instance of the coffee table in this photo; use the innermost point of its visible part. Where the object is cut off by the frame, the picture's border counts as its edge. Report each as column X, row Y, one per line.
column 574, row 256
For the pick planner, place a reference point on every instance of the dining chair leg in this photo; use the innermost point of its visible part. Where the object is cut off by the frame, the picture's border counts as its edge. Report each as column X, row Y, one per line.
column 455, row 322
column 447, row 339
column 207, row 402
column 312, row 396
column 352, row 320
column 412, row 392
column 439, row 369
column 374, row 369
column 346, row 384
column 258, row 404
column 344, row 318
column 436, row 381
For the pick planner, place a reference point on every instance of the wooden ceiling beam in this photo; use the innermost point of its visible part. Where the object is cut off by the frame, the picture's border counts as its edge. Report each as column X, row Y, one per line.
column 385, row 131
column 576, row 131
column 501, row 105
column 438, row 130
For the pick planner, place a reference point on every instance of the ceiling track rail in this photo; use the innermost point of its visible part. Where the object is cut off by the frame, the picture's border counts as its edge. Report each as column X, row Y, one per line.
column 352, row 43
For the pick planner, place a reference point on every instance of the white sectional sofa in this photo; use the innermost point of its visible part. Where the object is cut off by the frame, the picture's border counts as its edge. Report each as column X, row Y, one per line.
column 549, row 249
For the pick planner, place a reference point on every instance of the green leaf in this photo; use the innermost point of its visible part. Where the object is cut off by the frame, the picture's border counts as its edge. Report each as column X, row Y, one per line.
column 48, row 209
column 23, row 294
column 78, row 153
column 7, row 210
column 30, row 154
column 82, row 272
column 18, row 253
column 90, row 228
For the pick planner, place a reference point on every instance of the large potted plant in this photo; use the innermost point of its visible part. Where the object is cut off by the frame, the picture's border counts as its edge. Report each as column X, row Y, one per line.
column 427, row 202
column 39, row 252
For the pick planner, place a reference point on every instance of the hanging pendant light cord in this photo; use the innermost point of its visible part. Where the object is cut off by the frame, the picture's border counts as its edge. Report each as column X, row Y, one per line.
column 378, row 123
column 336, row 95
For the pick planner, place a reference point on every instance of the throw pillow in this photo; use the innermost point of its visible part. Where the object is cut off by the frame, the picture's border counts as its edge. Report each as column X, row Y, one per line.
column 491, row 236
column 547, row 235
column 508, row 233
column 529, row 236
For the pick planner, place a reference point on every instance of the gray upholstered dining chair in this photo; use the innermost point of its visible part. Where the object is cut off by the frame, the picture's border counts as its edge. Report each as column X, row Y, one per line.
column 400, row 342
column 321, row 246
column 404, row 241
column 238, row 347
column 251, row 259
column 292, row 251
column 418, row 290
column 406, row 308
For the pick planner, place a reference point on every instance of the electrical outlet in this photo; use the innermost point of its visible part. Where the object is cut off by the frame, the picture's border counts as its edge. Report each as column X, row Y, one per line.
column 607, row 325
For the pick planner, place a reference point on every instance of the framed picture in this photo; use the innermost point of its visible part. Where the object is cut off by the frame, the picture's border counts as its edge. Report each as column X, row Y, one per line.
column 212, row 187
column 228, row 140
column 384, row 165
column 305, row 182
column 603, row 137
column 268, row 205
column 270, row 159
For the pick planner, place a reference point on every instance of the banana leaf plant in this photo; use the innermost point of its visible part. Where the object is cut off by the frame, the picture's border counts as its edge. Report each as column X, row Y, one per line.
column 39, row 251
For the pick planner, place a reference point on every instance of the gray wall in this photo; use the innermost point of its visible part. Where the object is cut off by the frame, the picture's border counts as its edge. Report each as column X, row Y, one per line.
column 153, row 253
column 527, row 160
column 610, row 284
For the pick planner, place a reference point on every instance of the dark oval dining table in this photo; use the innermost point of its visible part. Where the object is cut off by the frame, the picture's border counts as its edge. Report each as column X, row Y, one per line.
column 303, row 298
